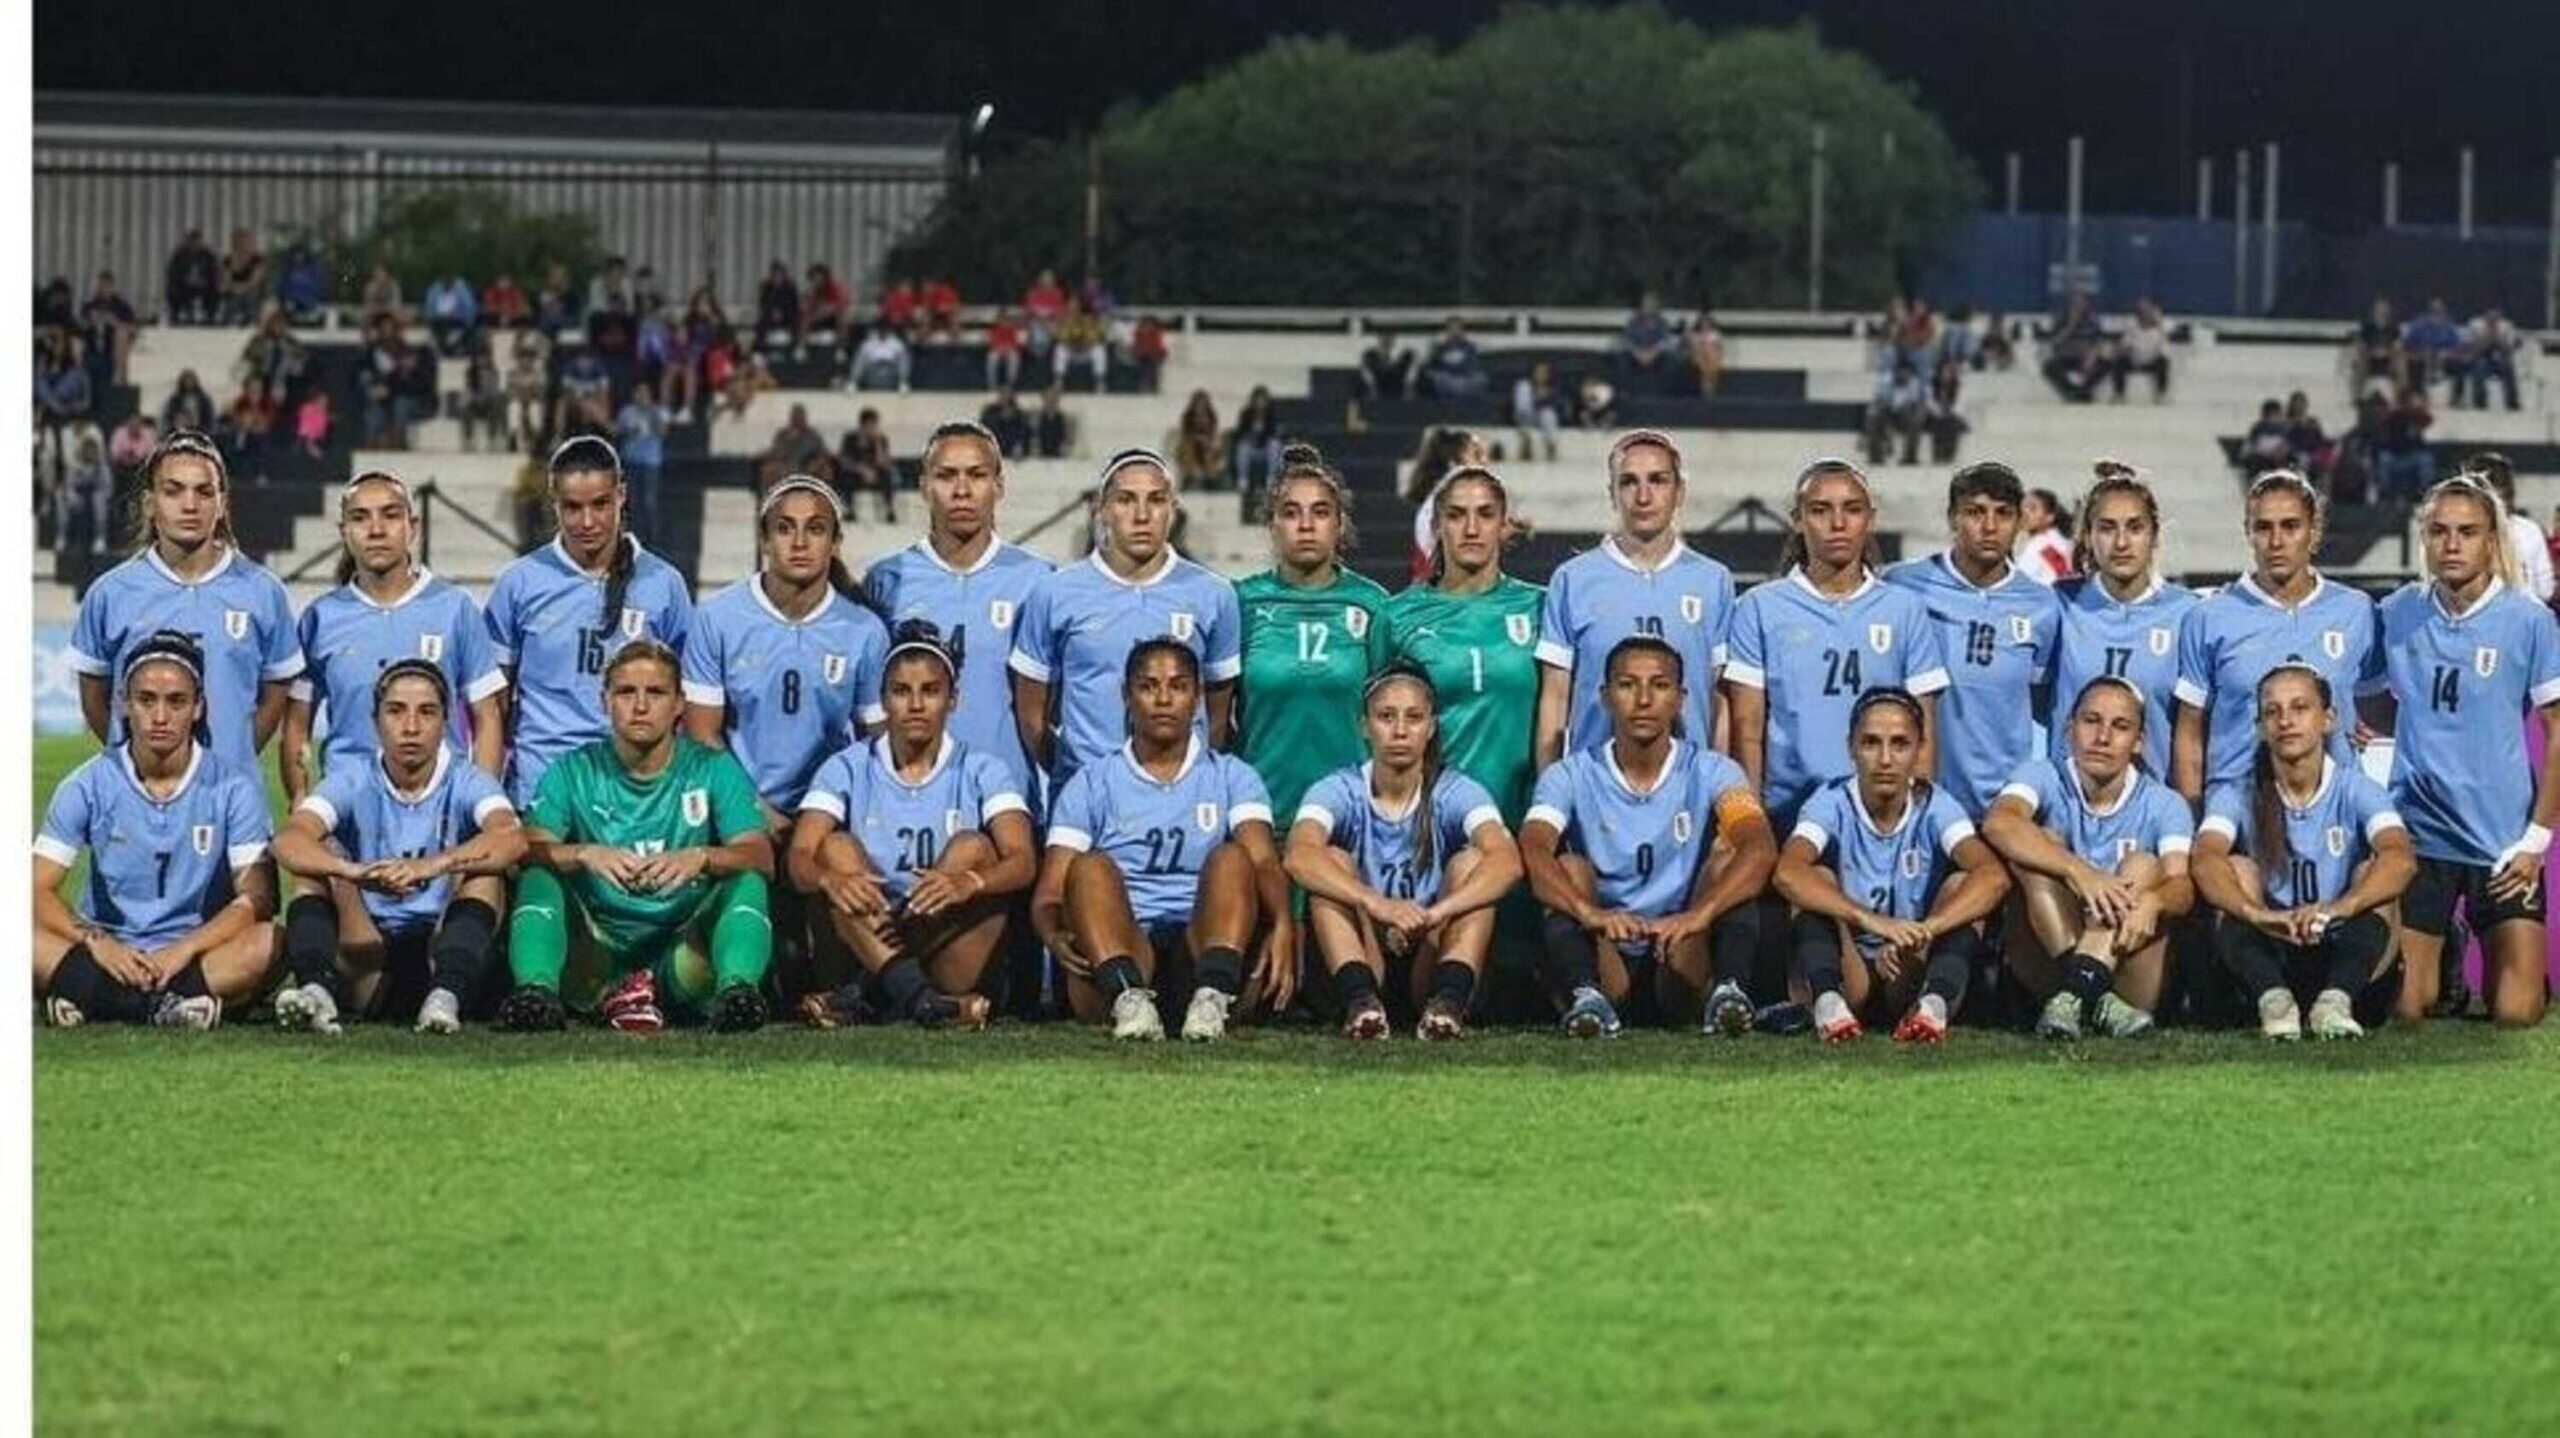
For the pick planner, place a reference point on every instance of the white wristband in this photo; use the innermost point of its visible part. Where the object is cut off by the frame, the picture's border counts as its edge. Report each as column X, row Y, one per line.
column 2536, row 841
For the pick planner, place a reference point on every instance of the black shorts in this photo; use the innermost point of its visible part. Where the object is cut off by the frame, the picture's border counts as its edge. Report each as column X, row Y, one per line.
column 2428, row 906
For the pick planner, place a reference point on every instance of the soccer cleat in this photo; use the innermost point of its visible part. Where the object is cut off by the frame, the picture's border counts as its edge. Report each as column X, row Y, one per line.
column 1206, row 1019
column 1729, row 1011
column 1925, row 1024
column 1833, row 1020
column 632, row 1005
column 1441, row 1022
column 937, row 1010
column 2279, row 1017
column 309, row 1007
column 2061, row 1017
column 1134, row 1016
column 63, row 1014
column 738, row 1009
column 197, row 1011
column 532, row 1010
column 441, row 1013
column 1592, row 1016
column 2333, row 1016
column 2118, row 1019
column 1786, row 1016
column 1366, row 1020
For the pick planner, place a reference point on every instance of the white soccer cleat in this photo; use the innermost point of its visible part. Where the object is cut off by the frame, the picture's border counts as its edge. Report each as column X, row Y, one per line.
column 198, row 1011
column 2119, row 1018
column 1133, row 1016
column 1206, row 1019
column 2279, row 1017
column 441, row 1013
column 63, row 1014
column 2333, row 1016
column 1833, row 1020
column 309, row 1007
column 2061, row 1017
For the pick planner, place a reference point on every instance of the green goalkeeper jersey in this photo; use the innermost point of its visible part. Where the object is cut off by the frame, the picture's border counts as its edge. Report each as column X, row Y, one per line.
column 703, row 797
column 1308, row 652
column 1480, row 651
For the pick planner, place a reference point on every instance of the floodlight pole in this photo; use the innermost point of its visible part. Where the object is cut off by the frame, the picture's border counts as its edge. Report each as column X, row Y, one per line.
column 2204, row 187
column 2551, row 256
column 2071, row 220
column 2391, row 194
column 2012, row 167
column 1813, row 226
column 2463, row 220
column 2240, row 232
column 2267, row 234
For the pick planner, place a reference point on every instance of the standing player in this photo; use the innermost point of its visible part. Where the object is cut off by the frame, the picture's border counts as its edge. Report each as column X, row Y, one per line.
column 2100, row 851
column 1883, row 865
column 1641, row 580
column 174, row 920
column 2326, row 856
column 408, row 849
column 556, row 613
column 1402, row 858
column 1647, row 851
column 188, row 576
column 1472, row 631
column 2466, row 654
column 386, row 608
column 1072, row 645
column 645, row 876
column 1161, row 869
column 1313, row 634
column 1996, row 627
column 1807, row 644
column 2119, row 617
column 2282, row 610
column 940, row 844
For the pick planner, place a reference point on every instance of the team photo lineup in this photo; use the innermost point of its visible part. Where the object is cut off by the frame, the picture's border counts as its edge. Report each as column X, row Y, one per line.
column 1126, row 792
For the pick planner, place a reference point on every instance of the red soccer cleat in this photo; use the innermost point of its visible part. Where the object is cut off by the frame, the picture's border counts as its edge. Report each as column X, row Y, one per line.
column 1920, row 1027
column 632, row 1005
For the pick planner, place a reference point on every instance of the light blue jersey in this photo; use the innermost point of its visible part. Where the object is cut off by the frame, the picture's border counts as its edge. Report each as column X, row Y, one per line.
column 1813, row 655
column 1895, row 872
column 2148, row 817
column 903, row 828
column 1999, row 643
column 547, row 621
column 1383, row 845
column 2228, row 643
column 1646, row 848
column 1076, row 633
column 791, row 692
column 2458, row 768
column 2136, row 641
column 158, row 868
column 1158, row 833
column 975, row 610
column 2325, row 838
column 373, row 822
column 1601, row 596
column 348, row 640
column 238, row 613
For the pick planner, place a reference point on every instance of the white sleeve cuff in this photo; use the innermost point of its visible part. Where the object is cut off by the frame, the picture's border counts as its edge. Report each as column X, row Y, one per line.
column 284, row 668
column 2387, row 819
column 1028, row 667
column 2218, row 824
column 1749, row 676
column 1319, row 814
column 2035, row 801
column 491, row 804
column 1224, row 671
column 1719, row 657
column 1243, row 814
column 822, row 802
column 1476, row 819
column 243, row 855
column 998, row 804
column 300, row 691
column 1812, row 833
column 709, row 696
column 1928, row 682
column 1554, row 655
column 2175, row 844
column 1063, row 837
column 321, row 808
column 2546, row 693
column 1957, row 833
column 2190, row 693
column 873, row 714
column 49, row 847
column 85, row 663
column 493, row 682
column 1546, row 814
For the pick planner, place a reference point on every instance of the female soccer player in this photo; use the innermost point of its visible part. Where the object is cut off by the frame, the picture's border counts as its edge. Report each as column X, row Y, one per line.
column 2281, row 610
column 187, row 576
column 2467, row 653
column 408, row 849
column 1472, row 631
column 940, row 843
column 1647, row 851
column 970, row 585
column 1884, row 865
column 2119, row 617
column 1073, row 642
column 2100, row 852
column 1996, row 628
column 1807, row 644
column 386, row 608
column 1402, row 858
column 173, row 922
column 556, row 613
column 1641, row 580
column 1313, row 634
column 2326, row 854
column 1446, row 449
column 645, row 874
column 1161, row 869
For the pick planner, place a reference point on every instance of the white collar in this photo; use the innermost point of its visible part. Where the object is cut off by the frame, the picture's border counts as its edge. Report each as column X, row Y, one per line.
column 1910, row 810
column 2124, row 796
column 2435, row 596
column 1947, row 562
column 561, row 548
column 1670, row 761
column 151, row 554
column 2319, row 584
column 133, row 776
column 2328, row 776
column 1368, row 786
column 435, row 777
column 1678, row 550
column 2098, row 585
column 986, row 556
column 424, row 579
column 1163, row 568
column 1190, row 756
column 764, row 601
column 1866, row 580
column 882, row 755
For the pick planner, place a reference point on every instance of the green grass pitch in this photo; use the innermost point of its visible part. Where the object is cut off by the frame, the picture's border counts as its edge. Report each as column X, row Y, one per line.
column 1027, row 1231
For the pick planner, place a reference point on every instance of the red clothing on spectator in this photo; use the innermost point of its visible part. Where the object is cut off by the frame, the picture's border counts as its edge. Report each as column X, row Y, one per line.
column 1004, row 337
column 831, row 297
column 1046, row 303
column 1149, row 344
column 942, row 302
column 502, row 303
column 898, row 306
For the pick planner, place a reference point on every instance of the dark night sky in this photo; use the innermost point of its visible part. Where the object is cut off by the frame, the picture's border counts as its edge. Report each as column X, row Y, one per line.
column 2150, row 82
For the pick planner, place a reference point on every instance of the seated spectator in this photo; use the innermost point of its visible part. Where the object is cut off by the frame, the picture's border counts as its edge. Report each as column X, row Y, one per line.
column 2076, row 352
column 2143, row 348
column 901, row 309
column 1043, row 306
column 1912, row 336
column 244, row 280
column 107, row 328
column 941, row 312
column 132, row 442
column 273, row 359
column 1454, row 368
column 55, row 309
column 1595, row 405
column 245, row 429
column 2043, row 548
column 1705, row 344
column 2375, row 356
column 503, row 304
column 869, row 467
column 553, row 309
column 703, row 313
column 667, row 359
column 1081, row 347
column 1944, row 421
column 1994, row 351
column 2313, row 454
column 193, row 286
column 2351, row 480
column 777, row 306
column 735, row 373
column 1051, row 431
column 313, row 422
column 640, row 433
column 1199, row 461
column 528, row 381
column 452, row 314
column 883, row 361
column 614, row 336
column 1004, row 351
column 2432, row 342
column 484, row 399
column 63, row 394
column 2269, row 442
column 826, row 311
column 189, row 407
column 399, row 386
column 1386, row 370
column 648, row 292
column 585, row 405
column 2489, row 345
column 796, row 449
column 1009, row 422
column 1646, row 336
column 2403, row 465
column 82, row 501
column 1537, row 410
column 303, row 288
column 610, row 291
column 1901, row 412
column 1960, row 337
column 1097, row 297
column 382, row 297
column 1253, row 448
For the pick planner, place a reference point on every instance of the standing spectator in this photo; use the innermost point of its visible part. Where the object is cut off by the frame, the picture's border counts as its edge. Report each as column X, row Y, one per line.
column 54, row 308
column 193, row 286
column 2376, row 357
column 868, row 465
column 796, row 449
column 609, row 293
column 528, row 380
column 1945, row 422
column 244, row 280
column 1149, row 347
column 63, row 395
column 901, row 307
column 777, row 306
column 382, row 297
column 1902, row 413
column 2432, row 343
column 484, row 399
column 553, row 309
column 1960, row 337
column 640, row 431
column 2043, row 550
column 1081, row 347
column 273, row 359
column 2403, row 465
column 1004, row 351
column 2312, row 452
column 1454, row 369
column 1705, row 342
column 82, row 500
column 2076, row 353
column 532, row 499
column 452, row 314
column 2489, row 347
column 1043, row 306
column 2143, row 349
column 384, row 355
column 614, row 337
column 1536, row 410
column 1198, row 460
column 503, row 304
column 313, row 421
column 107, row 327
column 648, row 292
column 941, row 312
column 132, row 442
column 1595, row 404
column 1253, row 448
column 670, row 359
column 1645, row 338
column 827, row 311
column 585, row 405
column 2351, row 481
column 303, row 289
column 189, row 407
column 1386, row 369
column 2269, row 442
column 883, row 361
column 2532, row 546
column 1005, row 418
column 1051, row 431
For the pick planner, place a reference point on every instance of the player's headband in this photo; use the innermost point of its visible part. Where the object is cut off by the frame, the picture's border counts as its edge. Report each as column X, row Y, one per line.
column 574, row 453
column 2476, row 486
column 803, row 484
column 1893, row 696
column 189, row 441
column 2141, row 702
column 373, row 476
column 169, row 646
column 1129, row 459
column 932, row 649
column 1636, row 438
column 1399, row 671
column 2292, row 479
column 1827, row 466
column 413, row 669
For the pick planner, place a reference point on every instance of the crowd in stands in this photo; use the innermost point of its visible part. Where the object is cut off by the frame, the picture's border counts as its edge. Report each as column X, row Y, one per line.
column 2082, row 354
column 1920, row 361
column 2388, row 357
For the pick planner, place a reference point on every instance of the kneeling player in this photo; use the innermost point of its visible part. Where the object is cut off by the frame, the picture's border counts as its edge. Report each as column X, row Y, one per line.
column 174, row 919
column 1884, row 864
column 917, row 843
column 644, row 883
column 2306, row 911
column 1646, row 852
column 1161, row 869
column 1402, row 859
column 410, row 849
column 2100, row 851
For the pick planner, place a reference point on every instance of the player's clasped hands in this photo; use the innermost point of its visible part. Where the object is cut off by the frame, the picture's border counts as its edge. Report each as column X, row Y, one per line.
column 2107, row 900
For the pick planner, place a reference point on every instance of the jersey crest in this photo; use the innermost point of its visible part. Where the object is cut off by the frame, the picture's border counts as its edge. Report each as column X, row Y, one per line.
column 1911, row 863
column 2021, row 628
column 1206, row 815
column 832, row 666
column 2484, row 661
column 1183, row 625
column 431, row 648
column 1880, row 638
column 1356, row 619
column 697, row 805
column 1518, row 627
column 635, row 622
column 1693, row 608
column 1000, row 613
column 202, row 837
column 235, row 622
column 950, row 822
column 2125, row 849
column 2161, row 639
column 2333, row 642
column 1680, row 827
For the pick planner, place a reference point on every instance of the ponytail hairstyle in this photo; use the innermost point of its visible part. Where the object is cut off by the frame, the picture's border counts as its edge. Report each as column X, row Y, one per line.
column 839, row 578
column 1139, row 654
column 346, row 556
column 593, row 454
column 1439, row 504
column 1791, row 551
column 1635, row 644
column 922, row 639
column 167, row 646
column 2478, row 487
column 1637, row 439
column 2141, row 711
column 1305, row 461
column 1426, row 833
column 413, row 668
column 145, row 528
column 2269, row 844
column 2114, row 477
column 2286, row 479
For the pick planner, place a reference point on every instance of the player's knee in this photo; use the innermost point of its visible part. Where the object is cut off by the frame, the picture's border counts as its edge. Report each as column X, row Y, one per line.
column 1461, row 866
column 1094, row 877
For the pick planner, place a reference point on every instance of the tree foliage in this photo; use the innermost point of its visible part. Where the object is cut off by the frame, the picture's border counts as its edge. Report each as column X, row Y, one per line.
column 473, row 232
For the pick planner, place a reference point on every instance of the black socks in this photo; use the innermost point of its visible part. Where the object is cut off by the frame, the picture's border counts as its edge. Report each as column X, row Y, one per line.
column 461, row 952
